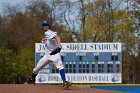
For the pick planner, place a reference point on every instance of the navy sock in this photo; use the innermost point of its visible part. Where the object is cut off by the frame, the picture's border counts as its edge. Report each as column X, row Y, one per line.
column 62, row 73
column 33, row 76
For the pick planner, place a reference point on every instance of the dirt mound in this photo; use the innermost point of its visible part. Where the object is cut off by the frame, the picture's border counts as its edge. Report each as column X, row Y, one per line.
column 41, row 88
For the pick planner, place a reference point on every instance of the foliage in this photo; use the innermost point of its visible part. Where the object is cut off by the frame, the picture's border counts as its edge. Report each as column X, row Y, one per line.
column 24, row 63
column 16, row 68
column 97, row 21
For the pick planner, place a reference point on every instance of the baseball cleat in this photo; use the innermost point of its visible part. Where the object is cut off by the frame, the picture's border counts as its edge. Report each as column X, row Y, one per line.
column 67, row 84
column 31, row 81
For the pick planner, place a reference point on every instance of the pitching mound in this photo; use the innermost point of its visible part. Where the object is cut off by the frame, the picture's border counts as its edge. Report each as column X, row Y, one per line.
column 40, row 88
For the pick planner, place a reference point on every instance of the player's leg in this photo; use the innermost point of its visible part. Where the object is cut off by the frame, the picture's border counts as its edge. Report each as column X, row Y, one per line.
column 60, row 66
column 58, row 63
column 40, row 65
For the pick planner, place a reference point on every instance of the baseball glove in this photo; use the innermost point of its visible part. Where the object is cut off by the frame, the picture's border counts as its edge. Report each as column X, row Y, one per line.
column 57, row 50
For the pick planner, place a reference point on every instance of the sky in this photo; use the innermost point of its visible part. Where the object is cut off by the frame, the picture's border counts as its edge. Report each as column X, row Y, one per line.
column 11, row 2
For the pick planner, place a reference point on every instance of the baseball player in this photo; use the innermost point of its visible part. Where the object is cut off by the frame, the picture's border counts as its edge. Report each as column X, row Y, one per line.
column 52, row 54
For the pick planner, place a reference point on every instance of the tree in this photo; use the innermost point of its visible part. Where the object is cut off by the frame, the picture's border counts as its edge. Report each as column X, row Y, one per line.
column 106, row 23
column 19, row 32
column 41, row 10
column 23, row 64
column 6, row 61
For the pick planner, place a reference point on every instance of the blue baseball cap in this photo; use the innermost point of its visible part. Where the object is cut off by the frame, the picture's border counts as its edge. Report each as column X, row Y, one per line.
column 45, row 22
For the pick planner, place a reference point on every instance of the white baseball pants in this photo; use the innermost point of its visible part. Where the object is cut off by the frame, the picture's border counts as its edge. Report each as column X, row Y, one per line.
column 46, row 59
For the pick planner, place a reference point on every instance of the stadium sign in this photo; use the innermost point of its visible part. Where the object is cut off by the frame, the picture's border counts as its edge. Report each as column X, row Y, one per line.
column 105, row 58
column 80, row 78
column 85, row 47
